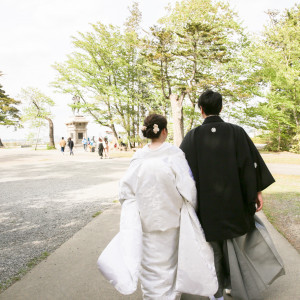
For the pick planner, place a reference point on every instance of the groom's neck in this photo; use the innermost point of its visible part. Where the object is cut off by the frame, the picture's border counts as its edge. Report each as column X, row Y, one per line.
column 207, row 116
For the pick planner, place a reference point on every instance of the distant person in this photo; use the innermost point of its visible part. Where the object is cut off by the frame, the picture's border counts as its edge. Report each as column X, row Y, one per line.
column 71, row 145
column 84, row 143
column 106, row 148
column 100, row 147
column 91, row 146
column 62, row 144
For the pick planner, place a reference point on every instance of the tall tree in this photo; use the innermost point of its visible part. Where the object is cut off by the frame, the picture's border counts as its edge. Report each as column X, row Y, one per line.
column 106, row 70
column 37, row 110
column 278, row 67
column 91, row 73
column 198, row 41
column 9, row 113
column 122, row 74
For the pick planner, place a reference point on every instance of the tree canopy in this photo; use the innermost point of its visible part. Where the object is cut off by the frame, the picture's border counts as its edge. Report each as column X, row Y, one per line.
column 37, row 110
column 9, row 113
column 123, row 73
column 276, row 56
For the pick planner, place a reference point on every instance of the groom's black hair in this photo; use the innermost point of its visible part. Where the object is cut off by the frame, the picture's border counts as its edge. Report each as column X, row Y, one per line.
column 211, row 102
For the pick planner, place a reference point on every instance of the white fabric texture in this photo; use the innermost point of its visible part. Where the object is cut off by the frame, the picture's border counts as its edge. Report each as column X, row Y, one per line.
column 120, row 260
column 196, row 272
column 170, row 254
column 159, row 264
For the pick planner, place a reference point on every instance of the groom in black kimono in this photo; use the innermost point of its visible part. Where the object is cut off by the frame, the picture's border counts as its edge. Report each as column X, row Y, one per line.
column 230, row 175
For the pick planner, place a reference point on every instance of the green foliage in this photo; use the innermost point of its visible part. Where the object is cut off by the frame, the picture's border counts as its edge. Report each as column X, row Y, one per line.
column 296, row 144
column 122, row 74
column 9, row 113
column 276, row 57
column 97, row 214
column 107, row 72
column 49, row 147
column 36, row 106
column 200, row 44
column 37, row 110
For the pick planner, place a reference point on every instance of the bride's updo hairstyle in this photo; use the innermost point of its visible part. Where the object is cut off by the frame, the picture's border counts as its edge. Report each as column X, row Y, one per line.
column 153, row 126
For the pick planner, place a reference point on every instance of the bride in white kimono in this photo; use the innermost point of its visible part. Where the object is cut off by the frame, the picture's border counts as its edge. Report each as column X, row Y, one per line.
column 160, row 236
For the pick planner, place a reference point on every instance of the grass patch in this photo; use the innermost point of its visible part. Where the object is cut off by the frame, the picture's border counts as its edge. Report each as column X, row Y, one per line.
column 282, row 207
column 281, row 158
column 259, row 140
column 29, row 266
column 116, row 201
column 50, row 147
column 119, row 154
column 97, row 214
column 33, row 262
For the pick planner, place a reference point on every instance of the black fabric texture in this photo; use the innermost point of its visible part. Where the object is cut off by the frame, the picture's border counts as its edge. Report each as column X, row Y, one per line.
column 228, row 171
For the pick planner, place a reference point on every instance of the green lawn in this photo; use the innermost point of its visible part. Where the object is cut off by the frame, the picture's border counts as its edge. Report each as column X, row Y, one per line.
column 117, row 154
column 269, row 157
column 281, row 158
column 282, row 207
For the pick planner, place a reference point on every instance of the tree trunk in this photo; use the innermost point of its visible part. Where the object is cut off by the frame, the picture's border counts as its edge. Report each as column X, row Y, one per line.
column 1, row 144
column 279, row 138
column 177, row 113
column 296, row 120
column 192, row 117
column 112, row 127
column 51, row 133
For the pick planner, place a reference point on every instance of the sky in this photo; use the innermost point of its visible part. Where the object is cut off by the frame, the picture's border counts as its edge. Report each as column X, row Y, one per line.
column 34, row 34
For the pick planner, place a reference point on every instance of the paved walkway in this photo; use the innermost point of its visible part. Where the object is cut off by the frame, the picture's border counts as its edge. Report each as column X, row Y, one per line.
column 284, row 169
column 70, row 273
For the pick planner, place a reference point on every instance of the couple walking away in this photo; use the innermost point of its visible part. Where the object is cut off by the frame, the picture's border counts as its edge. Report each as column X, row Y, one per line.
column 188, row 223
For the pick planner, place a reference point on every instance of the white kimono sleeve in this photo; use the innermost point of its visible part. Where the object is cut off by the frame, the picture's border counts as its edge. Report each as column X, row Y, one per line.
column 120, row 261
column 184, row 179
column 195, row 271
column 127, row 186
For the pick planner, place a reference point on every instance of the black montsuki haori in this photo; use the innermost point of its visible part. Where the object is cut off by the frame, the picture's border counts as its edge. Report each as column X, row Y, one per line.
column 228, row 171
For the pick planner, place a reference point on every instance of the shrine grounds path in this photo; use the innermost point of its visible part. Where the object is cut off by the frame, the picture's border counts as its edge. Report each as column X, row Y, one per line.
column 48, row 201
column 45, row 198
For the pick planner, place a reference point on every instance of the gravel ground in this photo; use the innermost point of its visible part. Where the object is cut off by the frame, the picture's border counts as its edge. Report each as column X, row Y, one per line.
column 46, row 198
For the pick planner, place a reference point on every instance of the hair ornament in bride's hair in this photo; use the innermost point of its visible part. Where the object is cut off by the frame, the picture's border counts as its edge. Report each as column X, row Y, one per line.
column 144, row 128
column 155, row 128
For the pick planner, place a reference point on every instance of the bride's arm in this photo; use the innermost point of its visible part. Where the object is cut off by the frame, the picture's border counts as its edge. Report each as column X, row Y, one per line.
column 127, row 185
column 184, row 179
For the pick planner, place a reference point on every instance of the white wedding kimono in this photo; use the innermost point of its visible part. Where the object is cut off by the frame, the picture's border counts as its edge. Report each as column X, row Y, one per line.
column 161, row 242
